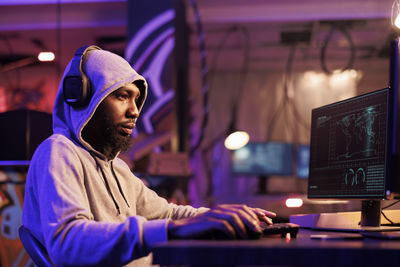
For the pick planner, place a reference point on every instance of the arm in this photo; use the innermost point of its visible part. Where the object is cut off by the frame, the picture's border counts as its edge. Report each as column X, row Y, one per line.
column 233, row 221
column 58, row 211
column 152, row 206
column 188, row 222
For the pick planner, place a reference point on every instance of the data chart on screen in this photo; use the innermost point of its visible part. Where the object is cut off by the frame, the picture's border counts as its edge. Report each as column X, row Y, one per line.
column 348, row 152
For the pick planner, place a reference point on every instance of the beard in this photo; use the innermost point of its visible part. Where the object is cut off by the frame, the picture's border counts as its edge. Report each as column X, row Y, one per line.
column 115, row 140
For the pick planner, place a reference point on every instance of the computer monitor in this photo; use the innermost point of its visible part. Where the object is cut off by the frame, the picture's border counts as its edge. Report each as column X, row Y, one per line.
column 303, row 161
column 351, row 152
column 263, row 158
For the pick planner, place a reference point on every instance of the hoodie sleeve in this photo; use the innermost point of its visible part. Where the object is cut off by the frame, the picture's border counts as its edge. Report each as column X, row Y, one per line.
column 153, row 207
column 57, row 211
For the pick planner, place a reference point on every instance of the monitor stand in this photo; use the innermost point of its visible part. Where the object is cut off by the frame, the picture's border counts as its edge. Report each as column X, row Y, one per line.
column 370, row 213
column 368, row 220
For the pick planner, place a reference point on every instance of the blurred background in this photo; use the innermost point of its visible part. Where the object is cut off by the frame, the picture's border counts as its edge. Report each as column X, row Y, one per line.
column 213, row 66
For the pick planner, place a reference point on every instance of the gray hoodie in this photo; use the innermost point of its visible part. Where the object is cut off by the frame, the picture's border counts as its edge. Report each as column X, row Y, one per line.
column 85, row 209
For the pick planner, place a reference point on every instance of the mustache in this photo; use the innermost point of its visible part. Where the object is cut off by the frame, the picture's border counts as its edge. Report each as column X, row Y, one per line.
column 129, row 121
column 128, row 124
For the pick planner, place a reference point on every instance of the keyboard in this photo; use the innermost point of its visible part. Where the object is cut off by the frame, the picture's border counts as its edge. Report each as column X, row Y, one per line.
column 280, row 229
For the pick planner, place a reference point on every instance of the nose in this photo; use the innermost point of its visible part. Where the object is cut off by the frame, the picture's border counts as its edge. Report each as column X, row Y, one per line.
column 132, row 111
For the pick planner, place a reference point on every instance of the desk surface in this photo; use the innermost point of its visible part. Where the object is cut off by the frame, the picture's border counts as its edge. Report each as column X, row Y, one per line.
column 301, row 251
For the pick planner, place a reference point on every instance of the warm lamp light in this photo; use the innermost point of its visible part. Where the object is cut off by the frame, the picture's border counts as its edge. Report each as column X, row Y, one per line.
column 397, row 21
column 294, row 202
column 46, row 56
column 236, row 140
column 396, row 13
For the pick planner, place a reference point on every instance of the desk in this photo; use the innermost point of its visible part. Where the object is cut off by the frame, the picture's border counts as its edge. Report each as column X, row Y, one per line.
column 302, row 251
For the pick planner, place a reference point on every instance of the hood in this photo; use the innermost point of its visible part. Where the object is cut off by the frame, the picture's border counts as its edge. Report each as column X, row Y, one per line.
column 107, row 72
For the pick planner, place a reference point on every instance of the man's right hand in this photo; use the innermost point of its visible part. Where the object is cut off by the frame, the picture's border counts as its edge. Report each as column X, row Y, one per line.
column 233, row 221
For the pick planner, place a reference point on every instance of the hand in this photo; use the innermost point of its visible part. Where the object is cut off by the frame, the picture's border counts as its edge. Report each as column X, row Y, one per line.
column 264, row 215
column 234, row 221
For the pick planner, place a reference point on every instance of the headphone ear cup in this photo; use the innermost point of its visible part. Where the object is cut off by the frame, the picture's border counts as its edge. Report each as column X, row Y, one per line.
column 76, row 85
column 74, row 92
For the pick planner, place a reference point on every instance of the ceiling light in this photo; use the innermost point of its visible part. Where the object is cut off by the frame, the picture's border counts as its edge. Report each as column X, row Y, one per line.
column 46, row 56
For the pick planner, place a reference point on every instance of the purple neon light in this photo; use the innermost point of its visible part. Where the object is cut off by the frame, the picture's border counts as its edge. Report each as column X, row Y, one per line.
column 153, row 109
column 154, row 71
column 152, row 47
column 41, row 2
column 146, row 30
column 15, row 162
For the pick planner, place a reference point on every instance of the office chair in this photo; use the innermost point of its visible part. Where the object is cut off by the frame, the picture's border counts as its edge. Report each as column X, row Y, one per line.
column 35, row 249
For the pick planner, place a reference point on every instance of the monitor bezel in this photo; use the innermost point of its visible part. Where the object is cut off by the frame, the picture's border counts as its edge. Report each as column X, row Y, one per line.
column 389, row 190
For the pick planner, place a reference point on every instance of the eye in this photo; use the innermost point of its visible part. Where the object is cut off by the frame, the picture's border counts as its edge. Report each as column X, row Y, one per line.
column 121, row 95
column 137, row 100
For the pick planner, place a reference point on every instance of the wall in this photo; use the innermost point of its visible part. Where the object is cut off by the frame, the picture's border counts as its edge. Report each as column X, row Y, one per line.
column 259, row 89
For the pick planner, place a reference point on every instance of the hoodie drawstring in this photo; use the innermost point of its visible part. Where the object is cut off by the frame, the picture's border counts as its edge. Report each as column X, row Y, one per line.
column 107, row 184
column 119, row 185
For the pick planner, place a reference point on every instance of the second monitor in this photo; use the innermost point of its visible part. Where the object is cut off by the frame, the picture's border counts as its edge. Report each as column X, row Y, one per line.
column 264, row 158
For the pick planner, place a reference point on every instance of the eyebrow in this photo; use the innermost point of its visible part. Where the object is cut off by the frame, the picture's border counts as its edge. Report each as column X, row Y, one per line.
column 128, row 90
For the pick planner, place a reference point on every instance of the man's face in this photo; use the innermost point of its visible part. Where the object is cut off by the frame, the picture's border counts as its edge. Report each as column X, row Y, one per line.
column 110, row 128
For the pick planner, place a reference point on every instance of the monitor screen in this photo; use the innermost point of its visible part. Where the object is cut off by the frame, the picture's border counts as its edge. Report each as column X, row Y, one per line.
column 303, row 161
column 349, row 148
column 263, row 158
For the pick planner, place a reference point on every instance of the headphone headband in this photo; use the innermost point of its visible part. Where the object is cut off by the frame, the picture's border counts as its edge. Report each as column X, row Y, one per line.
column 76, row 85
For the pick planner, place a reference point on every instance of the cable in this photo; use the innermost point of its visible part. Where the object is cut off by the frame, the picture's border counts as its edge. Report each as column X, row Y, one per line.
column 214, row 63
column 204, row 73
column 392, row 204
column 343, row 30
column 205, row 149
column 219, row 48
column 388, row 206
column 213, row 67
column 296, row 114
column 242, row 78
column 383, row 214
column 285, row 96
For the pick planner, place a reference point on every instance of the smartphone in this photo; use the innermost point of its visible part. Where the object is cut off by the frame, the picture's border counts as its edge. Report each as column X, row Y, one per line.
column 337, row 236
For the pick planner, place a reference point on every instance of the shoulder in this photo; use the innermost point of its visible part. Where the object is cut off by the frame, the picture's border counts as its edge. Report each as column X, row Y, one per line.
column 59, row 158
column 56, row 139
column 57, row 146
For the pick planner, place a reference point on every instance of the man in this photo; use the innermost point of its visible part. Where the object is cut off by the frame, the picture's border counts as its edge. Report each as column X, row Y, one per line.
column 82, row 202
